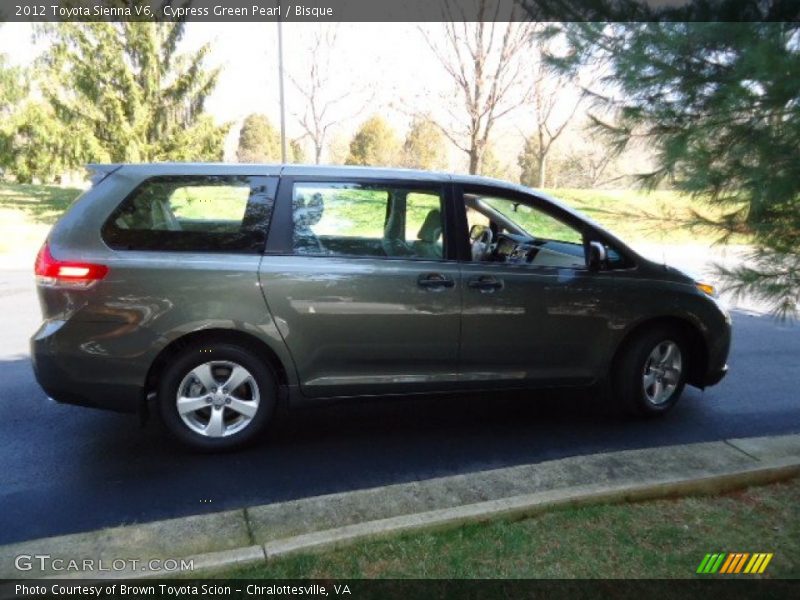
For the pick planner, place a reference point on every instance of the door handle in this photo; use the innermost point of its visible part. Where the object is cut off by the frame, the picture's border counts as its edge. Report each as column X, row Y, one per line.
column 435, row 280
column 485, row 283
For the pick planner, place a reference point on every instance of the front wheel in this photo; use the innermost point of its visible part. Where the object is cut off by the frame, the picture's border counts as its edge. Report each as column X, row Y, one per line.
column 216, row 396
column 651, row 373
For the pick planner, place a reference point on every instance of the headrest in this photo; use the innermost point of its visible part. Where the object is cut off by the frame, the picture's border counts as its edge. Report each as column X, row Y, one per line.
column 431, row 229
column 308, row 213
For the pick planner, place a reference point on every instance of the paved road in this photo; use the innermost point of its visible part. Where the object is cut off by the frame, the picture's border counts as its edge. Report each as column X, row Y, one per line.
column 67, row 469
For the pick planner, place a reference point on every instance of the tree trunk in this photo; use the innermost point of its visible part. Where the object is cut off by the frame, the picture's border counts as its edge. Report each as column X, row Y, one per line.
column 318, row 153
column 474, row 162
column 542, row 171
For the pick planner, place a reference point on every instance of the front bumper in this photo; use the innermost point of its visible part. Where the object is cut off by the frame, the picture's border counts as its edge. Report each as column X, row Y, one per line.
column 714, row 377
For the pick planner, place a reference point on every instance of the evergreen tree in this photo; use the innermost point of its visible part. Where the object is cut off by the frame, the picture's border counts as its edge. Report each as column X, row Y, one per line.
column 719, row 104
column 259, row 141
column 12, row 92
column 529, row 161
column 375, row 143
column 296, row 153
column 128, row 93
column 491, row 165
column 424, row 146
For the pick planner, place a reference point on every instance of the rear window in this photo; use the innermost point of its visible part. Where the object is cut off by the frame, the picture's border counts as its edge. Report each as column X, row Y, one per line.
column 194, row 214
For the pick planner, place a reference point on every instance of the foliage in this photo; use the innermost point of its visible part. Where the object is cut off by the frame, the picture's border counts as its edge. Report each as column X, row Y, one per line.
column 424, row 146
column 259, row 141
column 12, row 91
column 129, row 94
column 528, row 161
column 719, row 104
column 586, row 164
column 491, row 165
column 296, row 152
column 375, row 143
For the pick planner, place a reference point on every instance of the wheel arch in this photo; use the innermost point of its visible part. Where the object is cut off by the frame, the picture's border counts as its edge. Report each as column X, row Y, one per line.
column 240, row 338
column 690, row 332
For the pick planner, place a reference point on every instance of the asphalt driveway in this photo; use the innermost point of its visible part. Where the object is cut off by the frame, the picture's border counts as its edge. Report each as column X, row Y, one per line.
column 67, row 469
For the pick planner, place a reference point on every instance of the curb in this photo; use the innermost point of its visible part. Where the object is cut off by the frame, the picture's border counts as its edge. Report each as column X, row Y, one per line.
column 528, row 505
column 258, row 534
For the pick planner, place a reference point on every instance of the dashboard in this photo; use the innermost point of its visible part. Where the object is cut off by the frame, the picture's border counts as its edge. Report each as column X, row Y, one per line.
column 519, row 249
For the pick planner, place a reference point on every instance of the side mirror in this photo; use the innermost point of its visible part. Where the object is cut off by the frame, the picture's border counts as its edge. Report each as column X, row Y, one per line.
column 597, row 256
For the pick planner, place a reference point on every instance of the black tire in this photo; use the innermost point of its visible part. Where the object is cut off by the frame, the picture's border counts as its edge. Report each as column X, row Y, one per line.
column 634, row 363
column 258, row 391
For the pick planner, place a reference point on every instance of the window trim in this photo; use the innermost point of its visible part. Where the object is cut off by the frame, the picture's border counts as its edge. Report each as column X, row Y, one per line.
column 280, row 243
column 108, row 229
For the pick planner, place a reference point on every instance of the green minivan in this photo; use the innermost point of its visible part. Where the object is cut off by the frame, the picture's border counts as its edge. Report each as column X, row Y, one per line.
column 212, row 293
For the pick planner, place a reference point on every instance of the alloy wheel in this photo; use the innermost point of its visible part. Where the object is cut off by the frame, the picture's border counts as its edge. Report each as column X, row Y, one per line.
column 218, row 398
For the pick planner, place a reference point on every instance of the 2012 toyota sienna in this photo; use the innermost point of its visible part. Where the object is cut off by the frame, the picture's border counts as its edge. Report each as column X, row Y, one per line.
column 217, row 291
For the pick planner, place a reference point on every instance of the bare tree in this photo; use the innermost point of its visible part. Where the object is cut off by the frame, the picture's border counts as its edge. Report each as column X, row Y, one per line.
column 484, row 60
column 320, row 101
column 554, row 102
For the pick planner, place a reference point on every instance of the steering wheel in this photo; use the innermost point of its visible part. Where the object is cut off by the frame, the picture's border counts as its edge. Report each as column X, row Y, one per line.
column 482, row 245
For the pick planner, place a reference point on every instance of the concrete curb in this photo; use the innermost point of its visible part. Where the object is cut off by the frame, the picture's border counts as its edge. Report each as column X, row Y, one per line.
column 262, row 533
column 529, row 505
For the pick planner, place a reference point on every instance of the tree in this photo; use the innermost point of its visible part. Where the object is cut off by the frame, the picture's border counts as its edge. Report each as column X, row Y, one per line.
column 12, row 92
column 38, row 144
column 375, row 143
column 126, row 88
column 424, row 146
column 297, row 154
column 720, row 105
column 554, row 102
column 321, row 103
column 492, row 167
column 580, row 161
column 259, row 141
column 484, row 61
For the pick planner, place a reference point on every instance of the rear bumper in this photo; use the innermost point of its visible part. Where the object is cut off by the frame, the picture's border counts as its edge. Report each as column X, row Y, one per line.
column 70, row 376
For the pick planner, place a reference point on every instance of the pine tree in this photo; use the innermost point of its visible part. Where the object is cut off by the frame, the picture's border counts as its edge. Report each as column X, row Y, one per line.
column 259, row 141
column 424, row 146
column 375, row 143
column 719, row 104
column 12, row 91
column 127, row 91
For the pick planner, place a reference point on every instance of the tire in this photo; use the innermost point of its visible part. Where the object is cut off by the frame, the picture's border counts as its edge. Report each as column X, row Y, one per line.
column 212, row 416
column 650, row 374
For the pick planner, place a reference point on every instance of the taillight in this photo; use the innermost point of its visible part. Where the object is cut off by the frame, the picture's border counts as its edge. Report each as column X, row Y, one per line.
column 52, row 272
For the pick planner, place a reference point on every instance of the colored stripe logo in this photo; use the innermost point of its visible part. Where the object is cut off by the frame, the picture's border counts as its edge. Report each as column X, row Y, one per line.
column 733, row 563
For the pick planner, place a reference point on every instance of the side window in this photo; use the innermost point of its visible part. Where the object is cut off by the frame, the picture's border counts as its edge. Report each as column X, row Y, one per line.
column 537, row 239
column 194, row 213
column 363, row 219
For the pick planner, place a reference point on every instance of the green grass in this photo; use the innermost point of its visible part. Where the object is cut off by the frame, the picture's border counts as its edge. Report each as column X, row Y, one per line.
column 42, row 204
column 656, row 539
column 635, row 216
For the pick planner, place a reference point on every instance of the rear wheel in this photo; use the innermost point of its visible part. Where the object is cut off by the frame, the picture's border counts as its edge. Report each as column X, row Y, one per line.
column 651, row 372
column 216, row 396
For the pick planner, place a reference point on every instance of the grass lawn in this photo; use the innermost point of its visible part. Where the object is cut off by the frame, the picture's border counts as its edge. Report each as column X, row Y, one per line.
column 656, row 539
column 27, row 212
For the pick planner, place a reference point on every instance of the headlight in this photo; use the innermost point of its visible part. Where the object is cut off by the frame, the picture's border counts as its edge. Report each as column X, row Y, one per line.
column 706, row 288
